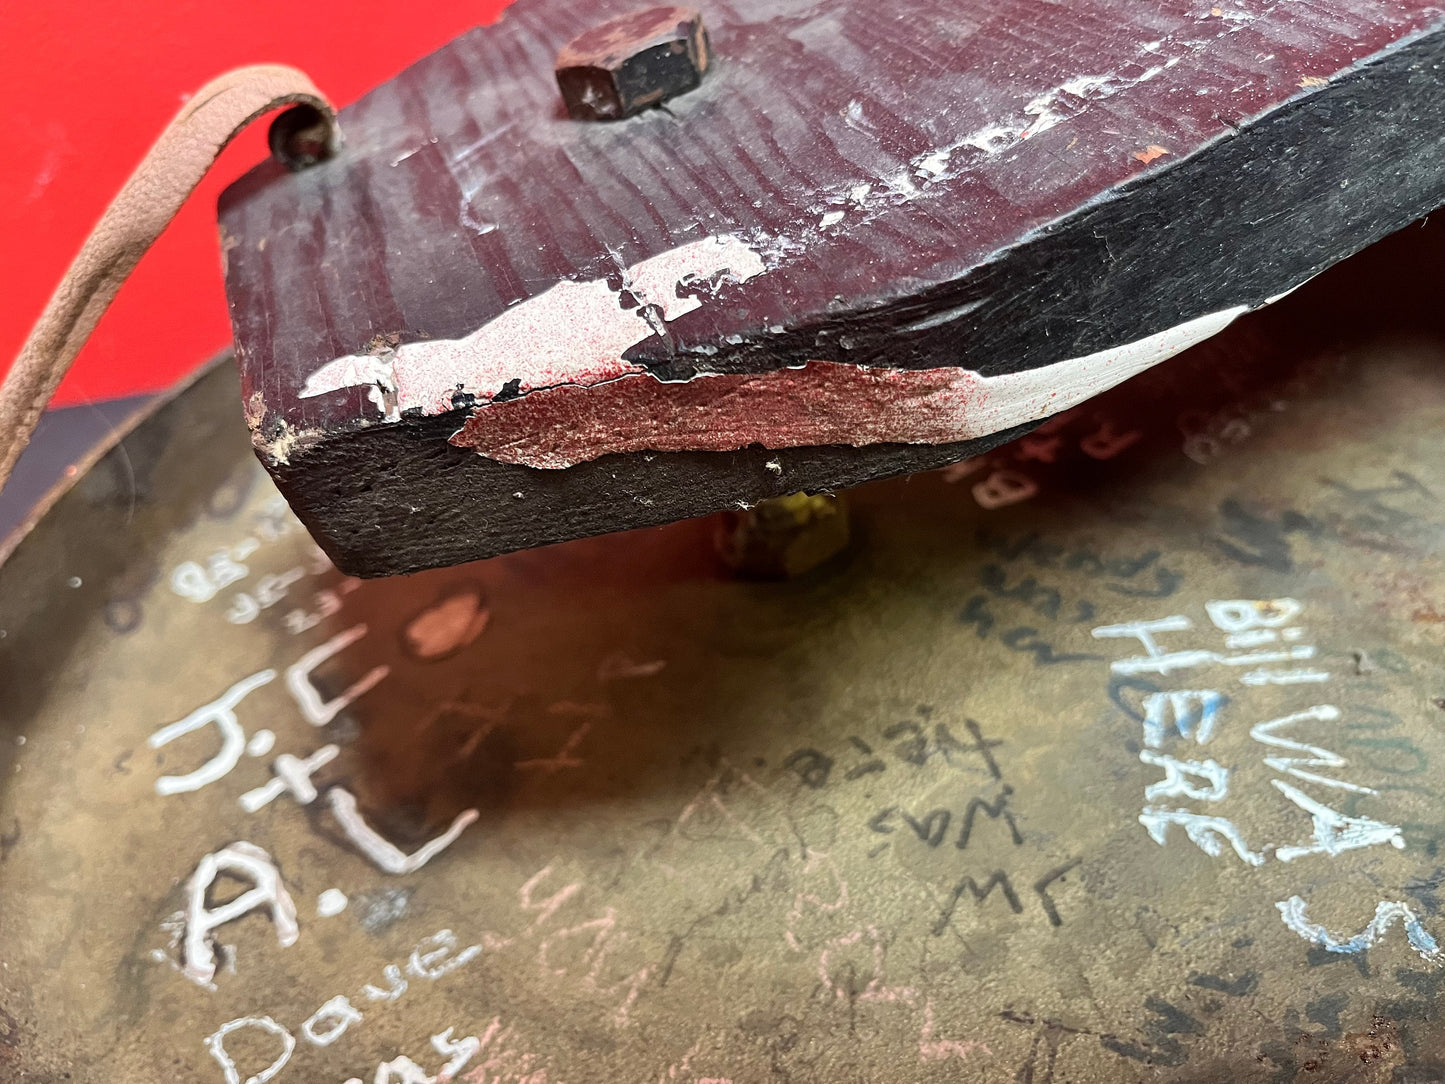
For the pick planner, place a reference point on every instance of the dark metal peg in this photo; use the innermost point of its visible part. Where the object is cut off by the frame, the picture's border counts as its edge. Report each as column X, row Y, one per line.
column 634, row 61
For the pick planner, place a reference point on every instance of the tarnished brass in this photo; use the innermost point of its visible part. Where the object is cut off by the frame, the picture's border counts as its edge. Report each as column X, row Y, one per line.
column 936, row 813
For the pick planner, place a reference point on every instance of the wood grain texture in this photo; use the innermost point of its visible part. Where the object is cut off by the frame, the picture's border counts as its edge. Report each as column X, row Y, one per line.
column 1018, row 185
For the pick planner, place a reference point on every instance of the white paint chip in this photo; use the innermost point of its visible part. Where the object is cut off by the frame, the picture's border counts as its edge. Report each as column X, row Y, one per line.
column 358, row 371
column 1042, row 112
column 331, row 903
column 934, row 163
column 573, row 333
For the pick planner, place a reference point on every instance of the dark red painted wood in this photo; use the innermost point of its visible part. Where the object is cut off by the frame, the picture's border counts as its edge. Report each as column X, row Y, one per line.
column 1019, row 183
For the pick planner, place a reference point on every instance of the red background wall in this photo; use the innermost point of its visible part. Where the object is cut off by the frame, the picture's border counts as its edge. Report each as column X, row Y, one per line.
column 87, row 86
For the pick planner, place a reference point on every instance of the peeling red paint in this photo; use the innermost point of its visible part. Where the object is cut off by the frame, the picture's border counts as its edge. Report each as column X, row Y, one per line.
column 820, row 403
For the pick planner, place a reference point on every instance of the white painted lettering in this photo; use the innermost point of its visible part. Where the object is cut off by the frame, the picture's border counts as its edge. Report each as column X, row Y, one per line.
column 243, row 610
column 1203, row 831
column 396, row 986
column 293, row 776
column 222, row 713
column 459, row 1051
column 1284, row 677
column 402, row 1071
column 1243, row 614
column 319, row 712
column 1194, row 714
column 435, row 961
column 332, row 1020
column 1335, row 833
column 1387, row 914
column 1157, row 660
column 244, row 859
column 189, row 580
column 1293, row 654
column 1214, row 780
column 1251, row 638
column 386, row 855
column 216, row 1044
column 1317, row 758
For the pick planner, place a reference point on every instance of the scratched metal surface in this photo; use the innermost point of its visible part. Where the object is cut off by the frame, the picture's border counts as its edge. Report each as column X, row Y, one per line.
column 880, row 824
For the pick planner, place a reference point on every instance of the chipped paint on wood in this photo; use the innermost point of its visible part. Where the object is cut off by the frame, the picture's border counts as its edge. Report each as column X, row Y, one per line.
column 820, row 403
column 573, row 333
column 994, row 220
